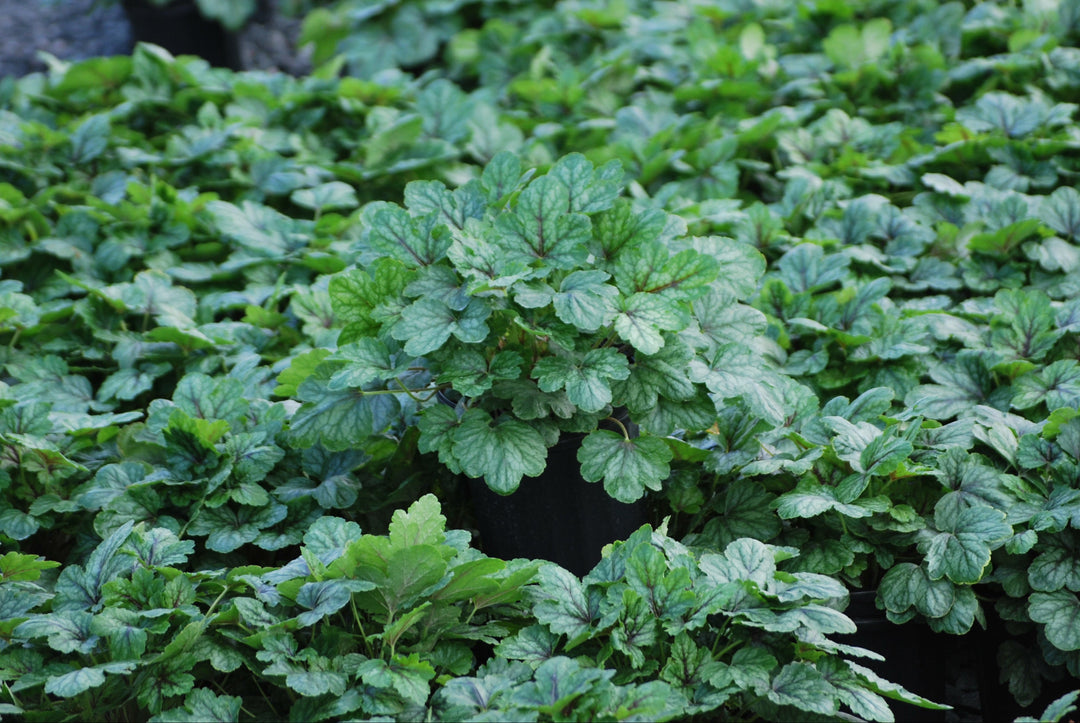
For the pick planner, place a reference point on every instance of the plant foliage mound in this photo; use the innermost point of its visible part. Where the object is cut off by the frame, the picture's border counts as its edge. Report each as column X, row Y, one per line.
column 255, row 329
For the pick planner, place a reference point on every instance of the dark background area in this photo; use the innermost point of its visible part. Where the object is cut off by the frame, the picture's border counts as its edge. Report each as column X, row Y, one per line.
column 78, row 29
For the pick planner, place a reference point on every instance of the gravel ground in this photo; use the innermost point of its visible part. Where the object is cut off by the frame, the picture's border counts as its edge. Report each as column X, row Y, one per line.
column 78, row 29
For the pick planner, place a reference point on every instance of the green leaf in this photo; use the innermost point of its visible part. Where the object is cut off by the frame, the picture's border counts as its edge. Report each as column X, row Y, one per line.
column 655, row 375
column 737, row 372
column 745, row 512
column 127, row 638
column 502, row 176
column 257, row 228
column 357, row 294
column 665, row 592
column 367, row 360
column 233, row 15
column 542, row 227
column 738, row 267
column 455, row 207
column 1055, row 711
column 533, row 644
column 627, row 466
column 1025, row 326
column 852, row 691
column 810, row 499
column 502, row 453
column 565, row 605
column 18, row 525
column 476, row 577
column 415, row 241
column 587, row 382
column 66, row 630
column 204, row 397
column 472, row 375
column 1060, row 612
column 807, row 268
column 960, row 550
column 1057, row 384
column 331, row 196
column 557, row 683
column 157, row 547
column 1057, row 567
column 339, row 419
column 203, row 704
column 90, row 139
column 79, row 587
column 801, row 685
column 1061, row 211
column 627, row 227
column 960, row 386
column 585, row 301
column 71, row 684
column 427, row 324
column 589, row 191
column 653, row 269
column 422, row 524
column 18, row 567
column 409, row 676
column 323, row 598
column 640, row 319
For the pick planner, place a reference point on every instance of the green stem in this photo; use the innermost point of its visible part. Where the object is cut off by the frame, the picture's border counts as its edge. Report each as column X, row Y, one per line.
column 433, row 390
column 360, row 625
column 269, row 704
column 10, row 694
column 626, row 434
column 192, row 516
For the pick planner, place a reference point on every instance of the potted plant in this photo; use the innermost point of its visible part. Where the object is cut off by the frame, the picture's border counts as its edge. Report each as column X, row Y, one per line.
column 537, row 324
column 207, row 28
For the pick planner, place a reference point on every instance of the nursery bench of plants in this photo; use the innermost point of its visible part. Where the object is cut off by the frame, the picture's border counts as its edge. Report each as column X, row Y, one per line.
column 552, row 361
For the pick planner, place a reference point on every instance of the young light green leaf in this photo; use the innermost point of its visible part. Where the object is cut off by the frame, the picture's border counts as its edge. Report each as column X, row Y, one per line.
column 409, row 676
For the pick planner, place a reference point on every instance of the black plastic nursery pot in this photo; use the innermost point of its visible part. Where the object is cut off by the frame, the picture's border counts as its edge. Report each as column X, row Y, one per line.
column 557, row 516
column 996, row 699
column 915, row 656
column 181, row 28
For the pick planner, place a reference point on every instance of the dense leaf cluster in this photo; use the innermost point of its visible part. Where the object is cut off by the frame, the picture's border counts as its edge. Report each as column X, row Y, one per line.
column 824, row 254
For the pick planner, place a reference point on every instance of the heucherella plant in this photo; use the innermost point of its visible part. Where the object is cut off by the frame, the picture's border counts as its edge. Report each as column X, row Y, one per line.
column 513, row 309
column 417, row 625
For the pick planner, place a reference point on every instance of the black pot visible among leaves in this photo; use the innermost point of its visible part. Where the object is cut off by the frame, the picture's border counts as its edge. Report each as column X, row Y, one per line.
column 915, row 656
column 557, row 516
column 182, row 28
